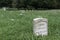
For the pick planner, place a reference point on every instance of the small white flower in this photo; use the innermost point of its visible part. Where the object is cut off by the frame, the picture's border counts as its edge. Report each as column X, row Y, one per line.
column 21, row 14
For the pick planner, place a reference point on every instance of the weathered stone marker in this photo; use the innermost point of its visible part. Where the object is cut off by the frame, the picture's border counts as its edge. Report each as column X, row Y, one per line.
column 4, row 8
column 40, row 26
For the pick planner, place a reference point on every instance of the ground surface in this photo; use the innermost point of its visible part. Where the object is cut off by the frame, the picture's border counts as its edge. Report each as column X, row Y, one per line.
column 18, row 25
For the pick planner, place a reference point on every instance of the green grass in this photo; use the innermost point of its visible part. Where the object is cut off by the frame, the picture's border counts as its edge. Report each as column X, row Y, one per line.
column 14, row 26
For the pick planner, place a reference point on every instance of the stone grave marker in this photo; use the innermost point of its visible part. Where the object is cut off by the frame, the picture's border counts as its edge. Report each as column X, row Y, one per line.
column 40, row 26
column 4, row 8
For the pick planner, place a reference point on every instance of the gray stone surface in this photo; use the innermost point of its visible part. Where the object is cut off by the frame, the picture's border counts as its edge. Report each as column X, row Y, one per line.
column 4, row 8
column 40, row 26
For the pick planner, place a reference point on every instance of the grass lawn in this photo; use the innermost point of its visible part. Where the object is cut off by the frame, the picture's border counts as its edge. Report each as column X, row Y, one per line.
column 18, row 25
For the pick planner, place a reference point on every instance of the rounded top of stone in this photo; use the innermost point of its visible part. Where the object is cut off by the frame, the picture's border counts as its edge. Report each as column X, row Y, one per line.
column 36, row 19
column 41, row 19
